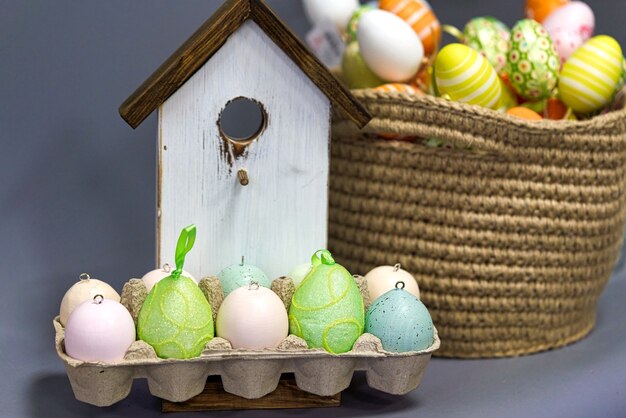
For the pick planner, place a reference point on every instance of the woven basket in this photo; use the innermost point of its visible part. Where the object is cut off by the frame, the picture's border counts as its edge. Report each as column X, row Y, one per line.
column 511, row 241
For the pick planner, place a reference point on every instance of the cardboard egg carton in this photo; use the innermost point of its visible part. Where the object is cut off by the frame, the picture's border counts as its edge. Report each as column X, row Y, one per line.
column 250, row 374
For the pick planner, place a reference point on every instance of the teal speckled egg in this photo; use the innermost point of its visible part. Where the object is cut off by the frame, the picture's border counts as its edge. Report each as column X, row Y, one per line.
column 490, row 37
column 401, row 322
column 237, row 275
column 533, row 61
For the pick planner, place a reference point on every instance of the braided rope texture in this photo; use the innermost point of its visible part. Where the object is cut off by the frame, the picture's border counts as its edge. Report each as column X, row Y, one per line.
column 512, row 234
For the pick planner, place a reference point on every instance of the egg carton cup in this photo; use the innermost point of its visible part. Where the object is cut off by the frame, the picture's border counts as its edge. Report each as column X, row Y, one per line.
column 250, row 374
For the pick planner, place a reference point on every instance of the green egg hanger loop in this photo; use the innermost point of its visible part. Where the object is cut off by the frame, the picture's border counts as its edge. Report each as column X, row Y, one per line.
column 185, row 244
column 322, row 257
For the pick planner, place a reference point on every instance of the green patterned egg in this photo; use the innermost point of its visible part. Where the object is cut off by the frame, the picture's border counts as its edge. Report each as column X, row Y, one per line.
column 327, row 308
column 353, row 24
column 491, row 38
column 533, row 61
column 176, row 319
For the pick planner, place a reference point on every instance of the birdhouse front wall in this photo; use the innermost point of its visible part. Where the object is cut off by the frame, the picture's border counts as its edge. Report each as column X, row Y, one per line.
column 280, row 218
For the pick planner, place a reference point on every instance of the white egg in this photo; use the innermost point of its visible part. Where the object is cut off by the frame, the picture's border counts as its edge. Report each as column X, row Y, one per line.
column 252, row 317
column 389, row 46
column 338, row 12
column 154, row 276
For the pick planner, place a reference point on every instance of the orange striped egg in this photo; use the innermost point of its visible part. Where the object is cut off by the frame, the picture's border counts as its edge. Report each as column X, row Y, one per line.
column 399, row 87
column 420, row 16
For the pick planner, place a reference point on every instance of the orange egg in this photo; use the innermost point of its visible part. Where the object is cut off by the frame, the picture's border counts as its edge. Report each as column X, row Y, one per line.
column 555, row 109
column 420, row 16
column 524, row 113
column 540, row 9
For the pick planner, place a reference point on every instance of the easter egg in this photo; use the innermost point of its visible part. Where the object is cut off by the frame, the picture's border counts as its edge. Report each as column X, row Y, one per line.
column 420, row 16
column 467, row 76
column 176, row 319
column 399, row 88
column 540, row 9
column 524, row 113
column 533, row 61
column 569, row 27
column 299, row 272
column 555, row 109
column 151, row 277
column 382, row 279
column 355, row 72
column 353, row 24
column 237, row 275
column 590, row 76
column 490, row 37
column 84, row 290
column 252, row 317
column 327, row 308
column 389, row 46
column 401, row 322
column 336, row 11
column 99, row 330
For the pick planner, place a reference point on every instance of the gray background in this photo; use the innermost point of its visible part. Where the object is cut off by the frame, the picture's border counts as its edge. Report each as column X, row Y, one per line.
column 77, row 193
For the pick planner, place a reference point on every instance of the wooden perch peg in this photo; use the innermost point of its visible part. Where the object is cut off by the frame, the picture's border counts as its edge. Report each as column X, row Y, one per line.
column 243, row 177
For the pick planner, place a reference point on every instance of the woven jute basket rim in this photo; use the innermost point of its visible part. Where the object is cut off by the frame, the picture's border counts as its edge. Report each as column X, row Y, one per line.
column 485, row 129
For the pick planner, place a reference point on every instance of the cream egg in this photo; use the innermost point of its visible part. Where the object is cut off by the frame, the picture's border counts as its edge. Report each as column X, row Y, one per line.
column 85, row 289
column 338, row 12
column 384, row 278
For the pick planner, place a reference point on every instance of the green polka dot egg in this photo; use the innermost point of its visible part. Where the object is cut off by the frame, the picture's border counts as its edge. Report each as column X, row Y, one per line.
column 490, row 37
column 327, row 308
column 533, row 61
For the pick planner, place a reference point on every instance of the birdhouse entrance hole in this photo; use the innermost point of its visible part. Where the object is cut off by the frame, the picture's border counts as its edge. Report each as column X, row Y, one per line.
column 242, row 121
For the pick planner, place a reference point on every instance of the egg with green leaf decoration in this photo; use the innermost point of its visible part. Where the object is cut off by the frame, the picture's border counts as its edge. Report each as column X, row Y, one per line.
column 533, row 61
column 327, row 308
column 176, row 319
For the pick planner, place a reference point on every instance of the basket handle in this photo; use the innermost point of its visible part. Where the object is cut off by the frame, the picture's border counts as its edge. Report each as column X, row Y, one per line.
column 481, row 129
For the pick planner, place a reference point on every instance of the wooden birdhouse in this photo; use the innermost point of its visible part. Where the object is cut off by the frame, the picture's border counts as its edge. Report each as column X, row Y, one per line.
column 263, row 196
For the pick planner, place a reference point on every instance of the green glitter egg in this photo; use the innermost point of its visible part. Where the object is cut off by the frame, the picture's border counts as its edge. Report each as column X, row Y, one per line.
column 176, row 319
column 327, row 308
column 533, row 63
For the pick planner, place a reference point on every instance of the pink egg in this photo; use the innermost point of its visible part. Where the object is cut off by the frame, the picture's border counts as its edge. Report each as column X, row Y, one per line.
column 153, row 277
column 566, row 42
column 574, row 17
column 99, row 330
column 252, row 317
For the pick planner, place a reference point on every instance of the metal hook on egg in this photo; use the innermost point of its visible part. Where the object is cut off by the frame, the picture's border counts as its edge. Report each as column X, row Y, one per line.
column 242, row 174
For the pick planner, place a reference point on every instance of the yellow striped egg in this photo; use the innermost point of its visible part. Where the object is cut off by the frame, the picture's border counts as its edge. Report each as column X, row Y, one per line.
column 591, row 75
column 467, row 76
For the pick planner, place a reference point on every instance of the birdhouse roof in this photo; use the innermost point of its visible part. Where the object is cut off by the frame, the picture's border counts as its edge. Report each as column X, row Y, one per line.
column 210, row 37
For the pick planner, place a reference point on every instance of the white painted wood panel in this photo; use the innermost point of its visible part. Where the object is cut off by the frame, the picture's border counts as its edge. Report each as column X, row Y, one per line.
column 281, row 217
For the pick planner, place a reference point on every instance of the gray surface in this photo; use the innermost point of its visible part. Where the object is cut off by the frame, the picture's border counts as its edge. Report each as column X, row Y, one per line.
column 77, row 194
